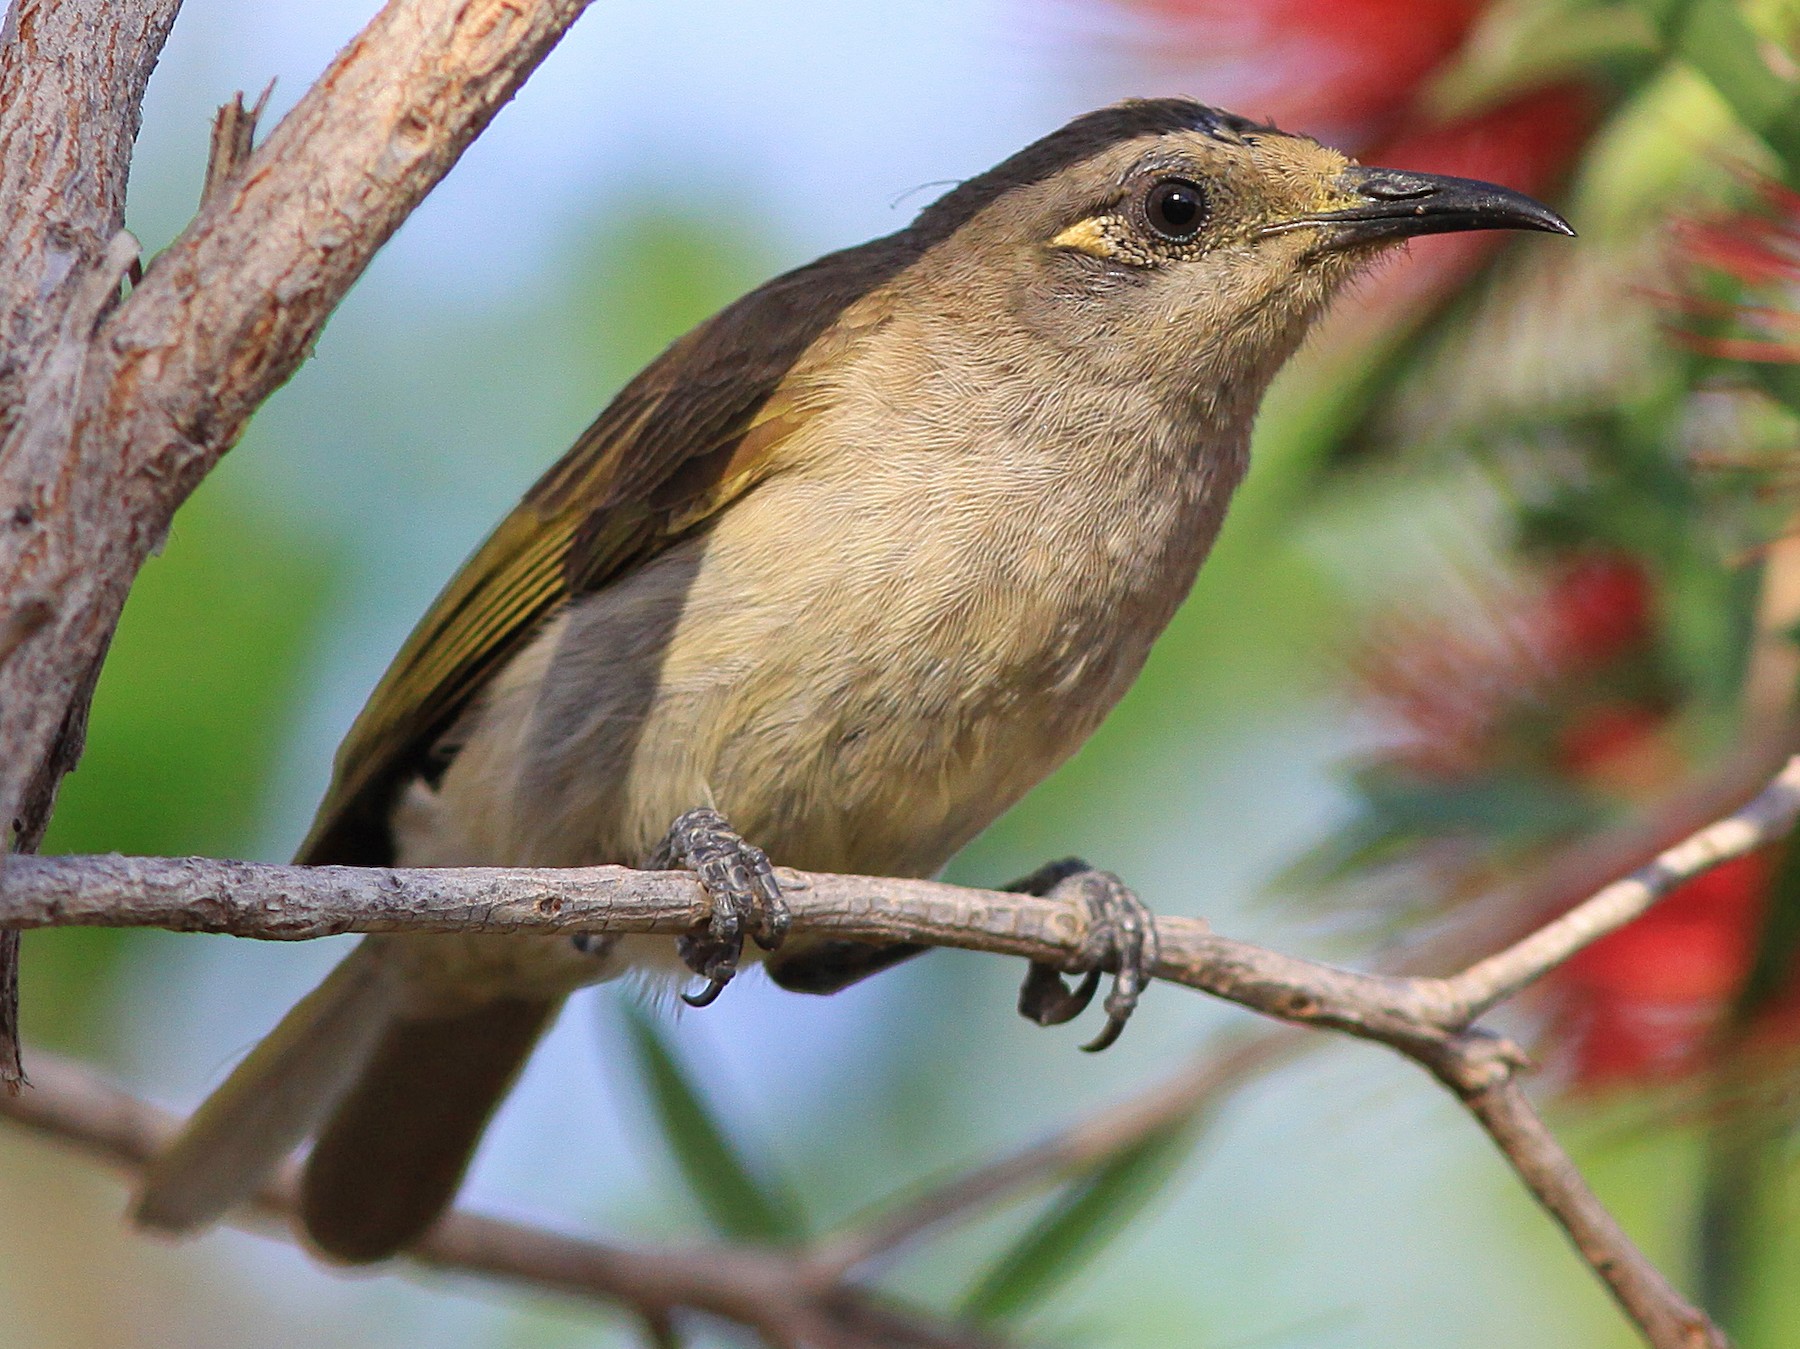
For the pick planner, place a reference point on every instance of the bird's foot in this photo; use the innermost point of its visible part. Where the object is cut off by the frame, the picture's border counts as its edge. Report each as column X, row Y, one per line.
column 746, row 900
column 1120, row 935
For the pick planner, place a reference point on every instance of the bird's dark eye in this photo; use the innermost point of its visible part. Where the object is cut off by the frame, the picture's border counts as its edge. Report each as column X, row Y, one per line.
column 1175, row 208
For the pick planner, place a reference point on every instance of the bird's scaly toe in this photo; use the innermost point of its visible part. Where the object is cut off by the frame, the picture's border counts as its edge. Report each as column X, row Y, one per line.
column 746, row 898
column 1120, row 935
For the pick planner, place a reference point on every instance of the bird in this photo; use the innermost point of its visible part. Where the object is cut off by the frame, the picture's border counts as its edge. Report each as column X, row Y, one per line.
column 835, row 579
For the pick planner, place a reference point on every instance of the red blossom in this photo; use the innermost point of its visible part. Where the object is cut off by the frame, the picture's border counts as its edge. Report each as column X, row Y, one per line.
column 1614, row 743
column 1337, row 64
column 1597, row 609
column 1445, row 689
column 1440, row 688
column 1648, row 1001
column 1758, row 247
column 1759, row 250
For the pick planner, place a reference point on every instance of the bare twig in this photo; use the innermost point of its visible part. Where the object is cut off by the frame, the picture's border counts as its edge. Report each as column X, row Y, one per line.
column 286, row 903
column 1553, row 886
column 1663, row 1315
column 1428, row 1019
column 1766, row 817
column 233, row 138
column 1177, row 1099
column 779, row 1295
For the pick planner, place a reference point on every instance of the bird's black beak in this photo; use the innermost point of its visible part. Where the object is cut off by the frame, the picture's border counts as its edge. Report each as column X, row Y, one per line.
column 1400, row 205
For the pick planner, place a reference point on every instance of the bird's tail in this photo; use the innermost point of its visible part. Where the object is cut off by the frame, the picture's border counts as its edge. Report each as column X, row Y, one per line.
column 402, row 1099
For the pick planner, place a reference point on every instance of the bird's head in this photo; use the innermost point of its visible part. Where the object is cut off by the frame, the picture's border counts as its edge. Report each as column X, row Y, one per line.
column 1172, row 241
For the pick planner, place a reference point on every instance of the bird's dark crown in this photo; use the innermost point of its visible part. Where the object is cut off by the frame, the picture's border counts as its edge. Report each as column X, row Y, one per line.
column 1080, row 139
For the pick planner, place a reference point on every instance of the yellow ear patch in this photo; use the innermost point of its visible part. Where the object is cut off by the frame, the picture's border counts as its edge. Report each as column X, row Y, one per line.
column 1087, row 236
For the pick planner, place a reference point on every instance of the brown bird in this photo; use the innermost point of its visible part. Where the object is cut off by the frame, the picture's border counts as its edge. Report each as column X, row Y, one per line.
column 848, row 569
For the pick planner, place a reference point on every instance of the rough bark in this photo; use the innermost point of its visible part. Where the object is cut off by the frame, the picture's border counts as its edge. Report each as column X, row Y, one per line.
column 112, row 411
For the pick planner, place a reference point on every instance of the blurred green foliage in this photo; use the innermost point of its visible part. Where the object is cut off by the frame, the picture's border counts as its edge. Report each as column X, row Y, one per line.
column 192, row 708
column 1076, row 1227
column 741, row 1200
column 649, row 273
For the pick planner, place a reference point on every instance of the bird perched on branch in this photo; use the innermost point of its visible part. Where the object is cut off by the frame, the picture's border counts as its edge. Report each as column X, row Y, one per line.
column 840, row 575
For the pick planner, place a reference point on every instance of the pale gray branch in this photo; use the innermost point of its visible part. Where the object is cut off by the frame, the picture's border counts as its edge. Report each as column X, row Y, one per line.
column 285, row 903
column 1428, row 1019
column 272, row 902
column 1768, row 816
column 1666, row 1318
column 780, row 1295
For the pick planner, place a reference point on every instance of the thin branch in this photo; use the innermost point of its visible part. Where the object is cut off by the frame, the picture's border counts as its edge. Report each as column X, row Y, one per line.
column 1575, row 872
column 1085, row 1144
column 1556, row 884
column 1428, row 1019
column 1663, row 1315
column 779, row 1295
column 1766, row 817
column 286, row 903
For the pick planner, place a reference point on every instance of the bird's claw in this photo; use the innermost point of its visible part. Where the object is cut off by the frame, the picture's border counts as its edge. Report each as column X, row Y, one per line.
column 1120, row 934
column 746, row 899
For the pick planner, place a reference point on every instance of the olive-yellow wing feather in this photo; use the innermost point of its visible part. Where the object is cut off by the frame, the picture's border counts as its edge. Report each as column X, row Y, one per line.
column 694, row 430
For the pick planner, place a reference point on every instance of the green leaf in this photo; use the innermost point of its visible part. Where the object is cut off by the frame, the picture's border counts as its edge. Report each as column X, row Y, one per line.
column 1714, row 38
column 192, row 708
column 1077, row 1227
column 738, row 1202
column 1777, row 941
column 1514, row 810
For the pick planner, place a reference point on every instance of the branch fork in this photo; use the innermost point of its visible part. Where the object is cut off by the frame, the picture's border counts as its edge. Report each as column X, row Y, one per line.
column 1430, row 1020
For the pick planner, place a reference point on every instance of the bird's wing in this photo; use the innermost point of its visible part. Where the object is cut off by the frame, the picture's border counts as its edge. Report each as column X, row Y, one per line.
column 696, row 429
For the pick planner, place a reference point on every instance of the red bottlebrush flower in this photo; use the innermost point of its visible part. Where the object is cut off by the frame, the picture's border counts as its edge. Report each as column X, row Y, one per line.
column 1441, row 688
column 1347, row 66
column 1758, row 249
column 1619, row 746
column 1445, row 689
column 1647, row 1001
column 1529, row 673
column 1598, row 608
